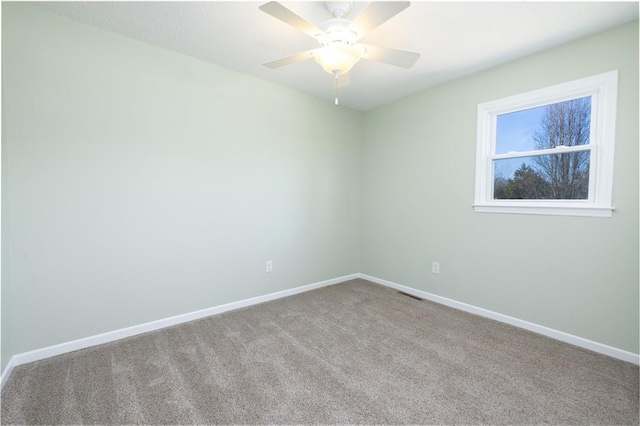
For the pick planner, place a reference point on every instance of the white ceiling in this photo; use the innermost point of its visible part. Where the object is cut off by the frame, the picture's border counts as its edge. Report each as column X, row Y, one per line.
column 454, row 38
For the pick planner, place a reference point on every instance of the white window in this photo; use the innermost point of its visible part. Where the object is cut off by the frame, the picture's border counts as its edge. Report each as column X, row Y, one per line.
column 549, row 151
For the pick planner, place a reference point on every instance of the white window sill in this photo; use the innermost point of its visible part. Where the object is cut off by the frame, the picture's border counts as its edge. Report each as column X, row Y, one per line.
column 567, row 210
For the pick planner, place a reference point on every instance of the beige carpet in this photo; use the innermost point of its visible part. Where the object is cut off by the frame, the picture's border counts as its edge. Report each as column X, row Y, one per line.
column 350, row 353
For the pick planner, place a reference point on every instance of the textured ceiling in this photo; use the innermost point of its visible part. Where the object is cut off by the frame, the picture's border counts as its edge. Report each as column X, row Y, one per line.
column 454, row 38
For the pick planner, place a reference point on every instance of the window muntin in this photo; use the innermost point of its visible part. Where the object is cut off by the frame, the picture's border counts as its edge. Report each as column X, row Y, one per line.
column 559, row 140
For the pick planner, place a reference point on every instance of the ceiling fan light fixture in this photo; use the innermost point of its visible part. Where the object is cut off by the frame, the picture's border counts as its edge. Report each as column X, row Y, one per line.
column 338, row 58
column 339, row 49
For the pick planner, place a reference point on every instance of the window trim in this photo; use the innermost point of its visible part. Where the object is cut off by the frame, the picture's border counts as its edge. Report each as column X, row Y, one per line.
column 603, row 88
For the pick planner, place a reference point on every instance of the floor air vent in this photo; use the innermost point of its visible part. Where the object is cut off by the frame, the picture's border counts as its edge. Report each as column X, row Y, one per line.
column 410, row 295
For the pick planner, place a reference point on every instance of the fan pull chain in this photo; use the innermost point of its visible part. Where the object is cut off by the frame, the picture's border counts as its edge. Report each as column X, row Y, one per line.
column 335, row 86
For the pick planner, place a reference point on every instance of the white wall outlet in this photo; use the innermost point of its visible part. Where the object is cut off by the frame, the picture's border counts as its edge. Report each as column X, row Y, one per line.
column 435, row 267
column 269, row 266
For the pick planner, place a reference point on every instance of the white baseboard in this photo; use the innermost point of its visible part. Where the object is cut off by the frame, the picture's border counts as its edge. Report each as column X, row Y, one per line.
column 111, row 336
column 546, row 331
column 7, row 372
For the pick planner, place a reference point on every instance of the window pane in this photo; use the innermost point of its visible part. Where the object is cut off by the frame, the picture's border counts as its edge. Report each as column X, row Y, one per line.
column 564, row 123
column 542, row 177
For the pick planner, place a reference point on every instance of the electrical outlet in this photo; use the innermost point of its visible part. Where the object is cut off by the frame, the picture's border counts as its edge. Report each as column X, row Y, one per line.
column 269, row 266
column 435, row 267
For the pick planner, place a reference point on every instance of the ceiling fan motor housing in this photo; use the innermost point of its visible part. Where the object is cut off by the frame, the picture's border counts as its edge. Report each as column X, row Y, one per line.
column 339, row 9
column 335, row 31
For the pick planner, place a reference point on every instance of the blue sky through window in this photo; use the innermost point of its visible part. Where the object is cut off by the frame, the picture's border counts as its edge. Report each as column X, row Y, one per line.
column 515, row 130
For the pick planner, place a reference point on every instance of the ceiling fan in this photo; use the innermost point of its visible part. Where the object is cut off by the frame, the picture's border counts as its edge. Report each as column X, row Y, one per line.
column 338, row 37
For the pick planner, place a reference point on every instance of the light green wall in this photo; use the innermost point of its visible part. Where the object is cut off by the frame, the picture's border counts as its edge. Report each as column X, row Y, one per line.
column 5, row 296
column 577, row 275
column 143, row 184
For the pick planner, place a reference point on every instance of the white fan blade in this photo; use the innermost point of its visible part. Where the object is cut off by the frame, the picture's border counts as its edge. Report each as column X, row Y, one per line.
column 280, row 12
column 399, row 58
column 375, row 15
column 298, row 57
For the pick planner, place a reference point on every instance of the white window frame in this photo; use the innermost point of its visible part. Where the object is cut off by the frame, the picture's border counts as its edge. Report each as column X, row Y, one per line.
column 603, row 89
